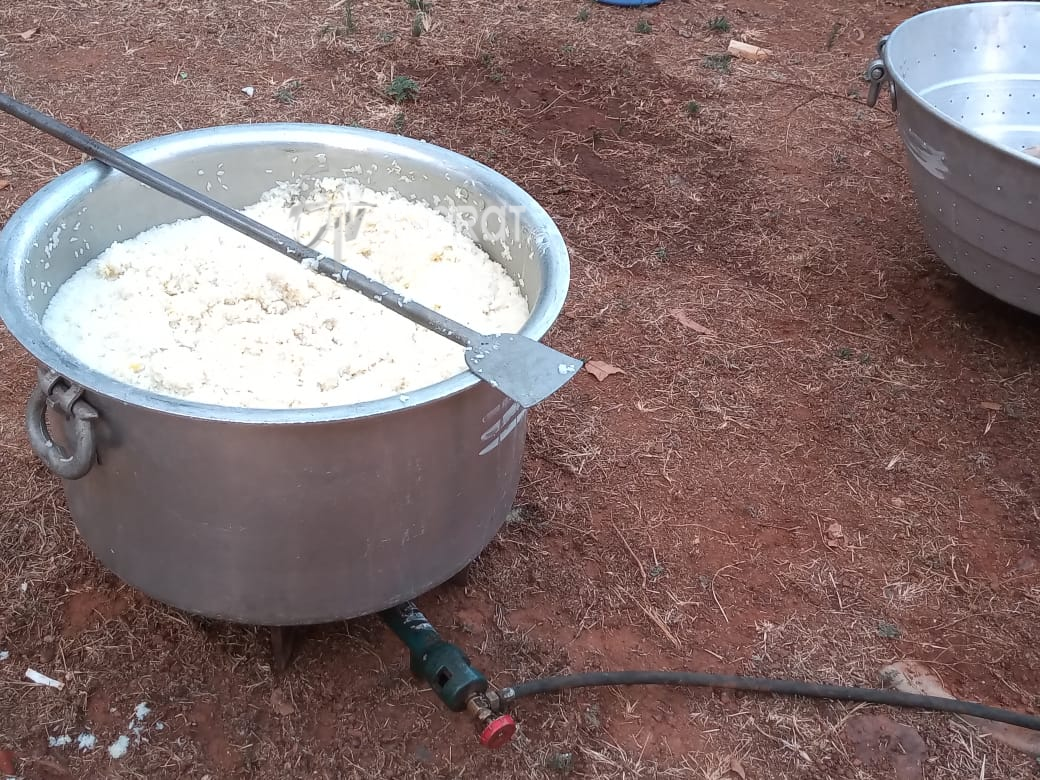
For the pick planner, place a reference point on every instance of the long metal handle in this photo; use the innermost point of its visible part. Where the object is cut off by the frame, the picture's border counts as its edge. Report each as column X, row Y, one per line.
column 323, row 264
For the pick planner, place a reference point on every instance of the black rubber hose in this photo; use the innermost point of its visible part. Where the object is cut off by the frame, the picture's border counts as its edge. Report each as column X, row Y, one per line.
column 765, row 685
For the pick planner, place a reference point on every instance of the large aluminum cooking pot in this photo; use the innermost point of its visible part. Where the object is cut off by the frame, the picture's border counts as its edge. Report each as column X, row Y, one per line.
column 963, row 80
column 275, row 517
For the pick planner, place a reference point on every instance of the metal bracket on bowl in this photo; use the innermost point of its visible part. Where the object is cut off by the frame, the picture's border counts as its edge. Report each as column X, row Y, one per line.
column 55, row 391
column 877, row 75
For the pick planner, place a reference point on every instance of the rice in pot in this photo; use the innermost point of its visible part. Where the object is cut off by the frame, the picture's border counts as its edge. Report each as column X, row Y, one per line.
column 200, row 312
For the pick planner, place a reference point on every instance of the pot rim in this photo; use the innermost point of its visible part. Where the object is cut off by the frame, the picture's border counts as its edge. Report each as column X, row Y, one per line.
column 900, row 82
column 43, row 207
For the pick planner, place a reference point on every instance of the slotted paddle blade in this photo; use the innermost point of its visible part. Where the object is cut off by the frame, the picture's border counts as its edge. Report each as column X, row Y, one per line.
column 524, row 369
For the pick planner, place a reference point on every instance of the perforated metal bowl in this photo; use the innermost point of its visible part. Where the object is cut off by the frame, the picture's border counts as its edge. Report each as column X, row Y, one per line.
column 965, row 83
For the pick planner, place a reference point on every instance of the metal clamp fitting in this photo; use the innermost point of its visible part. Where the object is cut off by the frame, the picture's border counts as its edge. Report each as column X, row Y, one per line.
column 877, row 75
column 54, row 391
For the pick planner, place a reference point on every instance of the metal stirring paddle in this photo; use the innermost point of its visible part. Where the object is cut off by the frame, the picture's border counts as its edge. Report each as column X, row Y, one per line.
column 520, row 367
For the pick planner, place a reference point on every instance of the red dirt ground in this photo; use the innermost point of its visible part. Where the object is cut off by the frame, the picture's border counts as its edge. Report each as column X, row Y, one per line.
column 820, row 456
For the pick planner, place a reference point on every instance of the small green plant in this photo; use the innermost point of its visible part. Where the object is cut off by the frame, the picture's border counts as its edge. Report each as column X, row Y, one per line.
column 644, row 27
column 560, row 762
column 692, row 108
column 490, row 64
column 720, row 62
column 661, row 253
column 347, row 26
column 387, row 36
column 399, row 122
column 567, row 48
column 719, row 24
column 847, row 353
column 287, row 92
column 887, row 630
column 403, row 88
column 420, row 23
column 591, row 716
column 835, row 30
column 583, row 15
column 421, row 20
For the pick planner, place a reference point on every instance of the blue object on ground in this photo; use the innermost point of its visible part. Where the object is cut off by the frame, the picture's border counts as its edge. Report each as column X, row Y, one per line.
column 629, row 2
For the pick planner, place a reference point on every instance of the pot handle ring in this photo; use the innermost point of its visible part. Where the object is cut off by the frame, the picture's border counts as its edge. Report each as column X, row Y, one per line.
column 53, row 390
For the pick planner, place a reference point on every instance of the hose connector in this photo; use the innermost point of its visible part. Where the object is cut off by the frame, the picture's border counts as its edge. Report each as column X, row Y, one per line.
column 496, row 729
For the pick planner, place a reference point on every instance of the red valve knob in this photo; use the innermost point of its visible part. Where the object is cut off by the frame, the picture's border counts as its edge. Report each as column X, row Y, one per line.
column 498, row 732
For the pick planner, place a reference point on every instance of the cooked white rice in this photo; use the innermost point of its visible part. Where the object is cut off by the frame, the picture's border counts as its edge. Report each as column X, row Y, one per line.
column 198, row 311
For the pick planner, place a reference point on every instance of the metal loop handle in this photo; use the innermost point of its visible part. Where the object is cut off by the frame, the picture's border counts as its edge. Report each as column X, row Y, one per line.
column 877, row 75
column 77, row 411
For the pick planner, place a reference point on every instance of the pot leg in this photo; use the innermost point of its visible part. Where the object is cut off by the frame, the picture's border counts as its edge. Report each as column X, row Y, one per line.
column 283, row 643
column 462, row 579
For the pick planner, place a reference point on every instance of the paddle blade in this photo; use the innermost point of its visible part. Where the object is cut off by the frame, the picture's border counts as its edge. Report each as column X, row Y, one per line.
column 523, row 369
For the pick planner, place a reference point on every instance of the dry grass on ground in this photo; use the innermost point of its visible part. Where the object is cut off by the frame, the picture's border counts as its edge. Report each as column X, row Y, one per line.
column 801, row 483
